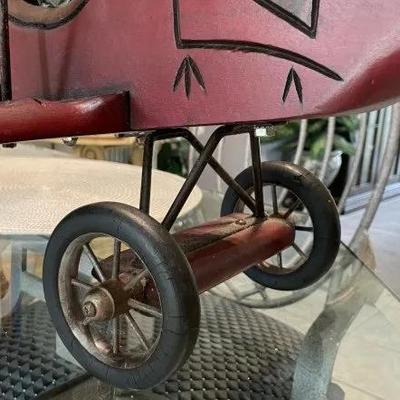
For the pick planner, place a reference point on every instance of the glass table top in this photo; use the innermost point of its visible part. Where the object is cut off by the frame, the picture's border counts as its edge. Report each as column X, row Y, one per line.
column 340, row 339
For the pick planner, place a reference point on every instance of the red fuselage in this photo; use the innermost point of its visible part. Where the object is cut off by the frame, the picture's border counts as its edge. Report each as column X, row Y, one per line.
column 191, row 62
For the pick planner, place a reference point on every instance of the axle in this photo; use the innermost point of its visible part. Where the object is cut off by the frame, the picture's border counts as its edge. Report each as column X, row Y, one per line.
column 223, row 248
column 217, row 251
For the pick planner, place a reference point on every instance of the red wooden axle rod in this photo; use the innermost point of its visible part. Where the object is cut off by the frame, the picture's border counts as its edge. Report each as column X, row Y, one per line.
column 217, row 250
column 231, row 254
column 227, row 257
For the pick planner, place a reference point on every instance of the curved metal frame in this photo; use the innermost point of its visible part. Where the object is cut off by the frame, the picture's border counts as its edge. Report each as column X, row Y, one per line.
column 391, row 149
column 338, row 315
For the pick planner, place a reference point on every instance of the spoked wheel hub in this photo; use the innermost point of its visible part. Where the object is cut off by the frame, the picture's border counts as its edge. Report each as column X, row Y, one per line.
column 106, row 302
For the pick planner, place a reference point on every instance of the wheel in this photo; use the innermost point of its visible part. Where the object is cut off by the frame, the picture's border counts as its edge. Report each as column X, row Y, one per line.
column 293, row 193
column 131, row 322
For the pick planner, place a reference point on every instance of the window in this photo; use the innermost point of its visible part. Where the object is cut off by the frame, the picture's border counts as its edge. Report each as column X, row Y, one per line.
column 44, row 14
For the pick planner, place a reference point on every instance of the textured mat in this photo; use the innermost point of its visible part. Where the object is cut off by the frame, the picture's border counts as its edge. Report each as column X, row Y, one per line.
column 28, row 363
column 240, row 354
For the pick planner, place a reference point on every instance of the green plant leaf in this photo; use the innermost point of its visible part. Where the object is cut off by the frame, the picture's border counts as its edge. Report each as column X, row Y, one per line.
column 317, row 126
column 288, row 135
column 317, row 148
column 286, row 132
column 340, row 143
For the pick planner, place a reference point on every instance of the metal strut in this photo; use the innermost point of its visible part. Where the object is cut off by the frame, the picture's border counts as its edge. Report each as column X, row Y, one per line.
column 257, row 174
column 205, row 157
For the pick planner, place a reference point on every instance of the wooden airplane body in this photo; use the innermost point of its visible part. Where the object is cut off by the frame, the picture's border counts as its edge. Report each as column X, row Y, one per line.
column 190, row 62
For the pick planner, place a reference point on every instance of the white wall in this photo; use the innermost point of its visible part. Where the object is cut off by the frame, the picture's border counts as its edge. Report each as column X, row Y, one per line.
column 233, row 153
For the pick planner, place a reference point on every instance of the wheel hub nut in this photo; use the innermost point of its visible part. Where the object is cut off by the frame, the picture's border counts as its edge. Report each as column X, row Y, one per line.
column 89, row 309
column 99, row 305
column 106, row 301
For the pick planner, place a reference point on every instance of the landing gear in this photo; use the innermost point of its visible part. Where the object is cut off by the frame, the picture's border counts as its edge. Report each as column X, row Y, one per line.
column 296, row 195
column 132, row 325
column 120, row 290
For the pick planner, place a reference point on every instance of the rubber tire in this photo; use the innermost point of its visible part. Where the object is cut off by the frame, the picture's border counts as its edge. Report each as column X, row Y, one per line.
column 323, row 213
column 171, row 273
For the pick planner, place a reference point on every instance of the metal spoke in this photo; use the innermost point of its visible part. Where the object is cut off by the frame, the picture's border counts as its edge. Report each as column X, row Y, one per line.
column 233, row 290
column 299, row 251
column 100, row 341
column 280, row 262
column 135, row 280
column 266, row 264
column 138, row 306
column 137, row 331
column 274, row 199
column 250, row 292
column 80, row 284
column 262, row 292
column 94, row 261
column 304, row 228
column 116, row 337
column 292, row 208
column 116, row 259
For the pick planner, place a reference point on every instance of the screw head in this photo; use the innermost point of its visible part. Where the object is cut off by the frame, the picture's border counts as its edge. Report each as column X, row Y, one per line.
column 89, row 310
column 70, row 141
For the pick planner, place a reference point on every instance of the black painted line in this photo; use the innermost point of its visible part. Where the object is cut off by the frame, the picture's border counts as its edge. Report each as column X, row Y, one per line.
column 197, row 73
column 298, row 85
column 288, row 85
column 248, row 47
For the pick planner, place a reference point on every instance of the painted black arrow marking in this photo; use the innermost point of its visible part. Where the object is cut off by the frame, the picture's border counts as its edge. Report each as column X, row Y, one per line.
column 248, row 47
column 293, row 77
column 187, row 69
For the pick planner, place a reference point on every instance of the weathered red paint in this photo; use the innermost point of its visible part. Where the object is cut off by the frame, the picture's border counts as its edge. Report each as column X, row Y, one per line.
column 130, row 45
column 34, row 119
column 218, row 250
column 233, row 254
